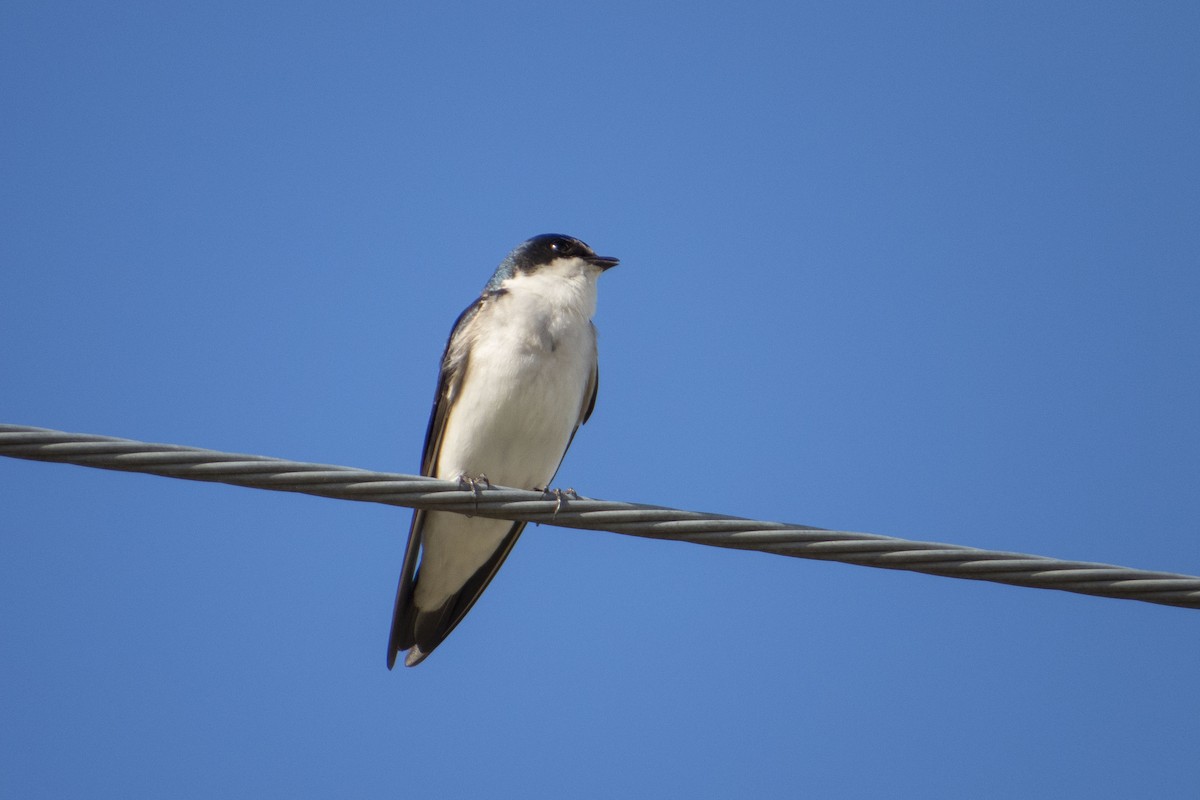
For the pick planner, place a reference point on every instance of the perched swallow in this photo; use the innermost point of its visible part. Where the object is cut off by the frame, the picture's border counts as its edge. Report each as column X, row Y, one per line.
column 519, row 376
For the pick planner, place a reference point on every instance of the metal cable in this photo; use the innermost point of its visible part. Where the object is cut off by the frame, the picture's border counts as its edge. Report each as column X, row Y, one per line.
column 654, row 522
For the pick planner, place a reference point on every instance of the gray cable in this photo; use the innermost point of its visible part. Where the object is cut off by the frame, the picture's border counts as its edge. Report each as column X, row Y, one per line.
column 348, row 483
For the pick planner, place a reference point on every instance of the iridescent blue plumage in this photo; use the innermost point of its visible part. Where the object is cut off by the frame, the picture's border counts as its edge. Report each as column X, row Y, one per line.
column 542, row 249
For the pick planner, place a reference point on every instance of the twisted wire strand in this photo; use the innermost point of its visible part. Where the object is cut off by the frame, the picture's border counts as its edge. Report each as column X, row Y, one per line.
column 654, row 522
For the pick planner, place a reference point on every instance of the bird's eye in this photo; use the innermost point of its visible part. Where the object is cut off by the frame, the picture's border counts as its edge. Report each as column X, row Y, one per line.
column 563, row 248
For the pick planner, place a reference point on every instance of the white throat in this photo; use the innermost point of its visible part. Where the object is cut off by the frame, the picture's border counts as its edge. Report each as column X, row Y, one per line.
column 567, row 285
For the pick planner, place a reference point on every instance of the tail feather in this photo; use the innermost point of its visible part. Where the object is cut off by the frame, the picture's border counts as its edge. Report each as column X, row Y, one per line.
column 420, row 630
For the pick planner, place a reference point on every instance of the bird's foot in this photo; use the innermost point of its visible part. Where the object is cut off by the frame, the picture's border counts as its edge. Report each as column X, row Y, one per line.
column 559, row 494
column 473, row 482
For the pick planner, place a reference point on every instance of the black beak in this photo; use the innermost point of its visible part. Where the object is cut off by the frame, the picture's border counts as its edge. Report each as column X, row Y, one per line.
column 603, row 262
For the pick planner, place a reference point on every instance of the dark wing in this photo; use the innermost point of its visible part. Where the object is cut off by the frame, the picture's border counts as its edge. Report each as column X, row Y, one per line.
column 427, row 628
column 403, row 634
column 589, row 397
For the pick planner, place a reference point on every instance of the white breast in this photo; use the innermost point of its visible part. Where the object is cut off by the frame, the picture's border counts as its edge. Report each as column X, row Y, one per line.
column 525, row 381
column 521, row 398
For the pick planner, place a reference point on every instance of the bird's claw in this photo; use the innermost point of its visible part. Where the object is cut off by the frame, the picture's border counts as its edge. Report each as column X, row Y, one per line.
column 473, row 483
column 559, row 494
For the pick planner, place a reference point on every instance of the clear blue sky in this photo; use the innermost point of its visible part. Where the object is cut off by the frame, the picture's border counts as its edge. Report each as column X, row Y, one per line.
column 927, row 269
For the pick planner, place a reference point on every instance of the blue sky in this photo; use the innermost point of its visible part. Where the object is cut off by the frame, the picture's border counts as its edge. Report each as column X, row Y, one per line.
column 927, row 270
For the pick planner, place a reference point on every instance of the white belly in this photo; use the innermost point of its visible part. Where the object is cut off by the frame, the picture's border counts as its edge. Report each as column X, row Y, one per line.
column 516, row 411
column 519, row 403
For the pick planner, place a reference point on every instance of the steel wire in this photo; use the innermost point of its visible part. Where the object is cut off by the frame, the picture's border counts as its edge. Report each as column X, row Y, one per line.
column 655, row 522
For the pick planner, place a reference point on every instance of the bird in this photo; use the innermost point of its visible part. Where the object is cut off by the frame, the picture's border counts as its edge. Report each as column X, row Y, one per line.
column 518, row 377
